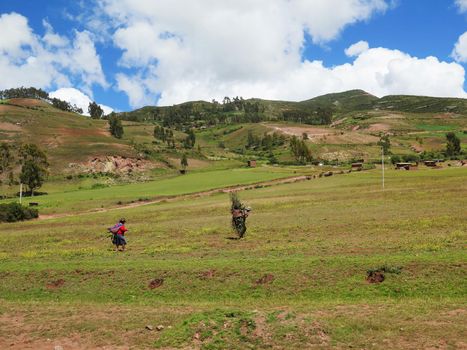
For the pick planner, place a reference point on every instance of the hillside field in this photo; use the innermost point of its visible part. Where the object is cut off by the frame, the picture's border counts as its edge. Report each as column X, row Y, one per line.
column 298, row 280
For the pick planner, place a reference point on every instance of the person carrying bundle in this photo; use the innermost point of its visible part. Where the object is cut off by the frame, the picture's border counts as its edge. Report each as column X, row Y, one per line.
column 239, row 214
column 118, row 235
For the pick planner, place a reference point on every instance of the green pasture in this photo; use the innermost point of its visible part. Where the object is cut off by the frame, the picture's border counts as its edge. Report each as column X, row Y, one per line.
column 297, row 280
column 102, row 197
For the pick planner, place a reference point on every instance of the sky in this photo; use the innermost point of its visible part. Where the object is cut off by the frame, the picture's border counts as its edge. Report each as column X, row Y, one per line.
column 125, row 54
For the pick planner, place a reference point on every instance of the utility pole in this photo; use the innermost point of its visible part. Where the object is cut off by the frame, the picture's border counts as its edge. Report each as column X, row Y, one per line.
column 382, row 163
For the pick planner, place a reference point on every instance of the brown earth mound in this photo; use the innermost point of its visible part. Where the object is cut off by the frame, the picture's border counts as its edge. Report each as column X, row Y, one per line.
column 27, row 102
column 156, row 283
column 112, row 164
column 375, row 277
column 55, row 284
column 267, row 278
column 5, row 126
column 207, row 274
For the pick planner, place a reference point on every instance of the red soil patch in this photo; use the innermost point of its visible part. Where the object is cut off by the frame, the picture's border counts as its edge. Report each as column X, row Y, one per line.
column 75, row 132
column 207, row 274
column 56, row 284
column 375, row 277
column 156, row 283
column 379, row 127
column 27, row 102
column 9, row 126
column 298, row 131
column 266, row 279
column 6, row 108
column 444, row 116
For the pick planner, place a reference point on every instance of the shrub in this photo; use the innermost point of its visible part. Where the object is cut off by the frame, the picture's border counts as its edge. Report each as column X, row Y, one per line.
column 395, row 159
column 12, row 212
column 410, row 158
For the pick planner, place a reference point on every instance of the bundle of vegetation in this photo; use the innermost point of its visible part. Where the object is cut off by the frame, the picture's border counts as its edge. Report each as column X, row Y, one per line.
column 235, row 202
column 12, row 212
column 240, row 213
column 300, row 150
column 115, row 126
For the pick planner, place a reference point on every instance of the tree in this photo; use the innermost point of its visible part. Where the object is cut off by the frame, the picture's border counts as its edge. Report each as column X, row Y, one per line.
column 95, row 111
column 115, row 126
column 6, row 157
column 453, row 144
column 300, row 150
column 385, row 143
column 31, row 152
column 324, row 115
column 189, row 141
column 33, row 175
column 6, row 160
column 184, row 162
column 395, row 159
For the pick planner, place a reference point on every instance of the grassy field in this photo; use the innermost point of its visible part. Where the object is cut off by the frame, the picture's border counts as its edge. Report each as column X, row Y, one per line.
column 297, row 280
column 79, row 199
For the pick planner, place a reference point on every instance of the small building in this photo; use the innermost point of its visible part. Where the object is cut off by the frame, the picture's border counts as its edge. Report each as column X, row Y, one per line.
column 252, row 163
column 406, row 166
column 357, row 166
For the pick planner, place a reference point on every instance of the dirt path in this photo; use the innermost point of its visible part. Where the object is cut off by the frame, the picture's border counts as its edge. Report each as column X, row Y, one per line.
column 183, row 196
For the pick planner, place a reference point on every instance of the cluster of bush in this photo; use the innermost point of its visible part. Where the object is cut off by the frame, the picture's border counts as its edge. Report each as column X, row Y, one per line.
column 12, row 212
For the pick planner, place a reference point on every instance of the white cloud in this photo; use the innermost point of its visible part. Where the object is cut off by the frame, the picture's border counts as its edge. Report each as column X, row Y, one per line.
column 52, row 39
column 135, row 88
column 357, row 48
column 51, row 60
column 219, row 43
column 15, row 34
column 213, row 49
column 76, row 97
column 462, row 4
column 460, row 49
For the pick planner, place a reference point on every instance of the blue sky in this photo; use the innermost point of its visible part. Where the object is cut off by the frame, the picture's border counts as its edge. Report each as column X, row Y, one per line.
column 129, row 53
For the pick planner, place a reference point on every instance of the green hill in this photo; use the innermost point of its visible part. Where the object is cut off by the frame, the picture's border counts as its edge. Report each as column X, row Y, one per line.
column 77, row 144
column 353, row 100
column 66, row 137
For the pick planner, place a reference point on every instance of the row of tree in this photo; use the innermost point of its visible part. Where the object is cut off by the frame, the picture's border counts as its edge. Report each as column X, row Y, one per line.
column 300, row 150
column 94, row 109
column 266, row 143
column 31, row 92
column 230, row 111
column 453, row 145
column 320, row 116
